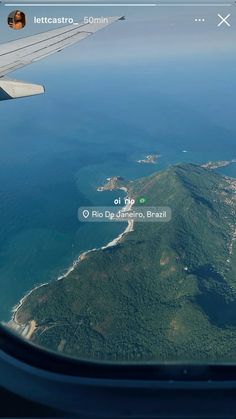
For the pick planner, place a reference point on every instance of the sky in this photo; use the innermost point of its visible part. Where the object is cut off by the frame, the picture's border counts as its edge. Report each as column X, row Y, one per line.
column 147, row 33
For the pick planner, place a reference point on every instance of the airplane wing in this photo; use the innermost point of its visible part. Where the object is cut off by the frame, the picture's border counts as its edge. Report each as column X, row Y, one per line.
column 19, row 53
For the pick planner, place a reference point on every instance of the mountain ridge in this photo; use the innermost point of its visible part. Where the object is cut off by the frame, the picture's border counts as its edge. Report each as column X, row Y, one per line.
column 157, row 294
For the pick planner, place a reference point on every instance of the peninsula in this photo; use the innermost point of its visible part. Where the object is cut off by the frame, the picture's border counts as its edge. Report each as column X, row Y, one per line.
column 163, row 291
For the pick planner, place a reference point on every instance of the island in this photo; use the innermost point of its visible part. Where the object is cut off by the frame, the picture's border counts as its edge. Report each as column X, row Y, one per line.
column 149, row 159
column 217, row 164
column 163, row 292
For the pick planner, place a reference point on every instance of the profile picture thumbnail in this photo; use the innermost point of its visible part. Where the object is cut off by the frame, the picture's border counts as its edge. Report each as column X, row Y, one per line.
column 16, row 20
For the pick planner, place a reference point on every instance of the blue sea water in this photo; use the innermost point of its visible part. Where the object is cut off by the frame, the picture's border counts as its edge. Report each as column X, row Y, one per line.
column 58, row 148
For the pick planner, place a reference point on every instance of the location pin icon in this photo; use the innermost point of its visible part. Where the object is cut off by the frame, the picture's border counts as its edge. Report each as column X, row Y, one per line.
column 85, row 213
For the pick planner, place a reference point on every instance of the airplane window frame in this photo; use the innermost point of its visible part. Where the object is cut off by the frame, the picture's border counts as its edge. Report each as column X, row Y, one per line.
column 51, row 361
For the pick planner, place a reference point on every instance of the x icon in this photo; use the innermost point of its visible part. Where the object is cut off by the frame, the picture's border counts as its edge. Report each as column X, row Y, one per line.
column 224, row 20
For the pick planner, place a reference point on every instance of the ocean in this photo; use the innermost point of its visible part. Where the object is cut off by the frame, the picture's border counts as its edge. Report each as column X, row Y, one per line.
column 94, row 123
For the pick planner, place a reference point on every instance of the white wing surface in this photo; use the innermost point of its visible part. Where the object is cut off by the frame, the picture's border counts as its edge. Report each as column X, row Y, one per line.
column 19, row 53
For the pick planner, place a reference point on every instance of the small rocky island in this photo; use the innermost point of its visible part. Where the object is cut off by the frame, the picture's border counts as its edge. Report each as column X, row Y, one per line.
column 149, row 159
column 211, row 165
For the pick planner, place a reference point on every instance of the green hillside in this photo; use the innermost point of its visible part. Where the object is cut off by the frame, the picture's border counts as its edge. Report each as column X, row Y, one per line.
column 167, row 291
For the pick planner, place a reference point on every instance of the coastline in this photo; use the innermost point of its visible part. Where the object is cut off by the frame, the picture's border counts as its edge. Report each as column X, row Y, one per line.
column 27, row 330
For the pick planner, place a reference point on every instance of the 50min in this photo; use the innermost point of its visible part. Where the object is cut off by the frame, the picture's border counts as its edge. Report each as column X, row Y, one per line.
column 91, row 19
